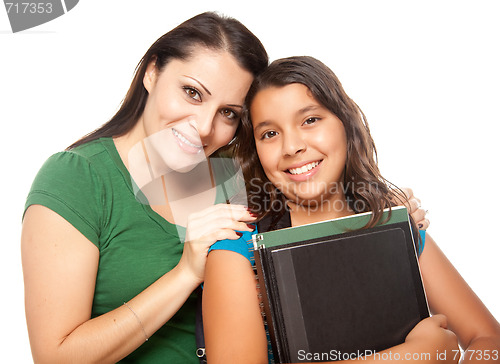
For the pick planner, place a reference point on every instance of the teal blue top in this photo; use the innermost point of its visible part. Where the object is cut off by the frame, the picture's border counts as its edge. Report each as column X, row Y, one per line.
column 244, row 245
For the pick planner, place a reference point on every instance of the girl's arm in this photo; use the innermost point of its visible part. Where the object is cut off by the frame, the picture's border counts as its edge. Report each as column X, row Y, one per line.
column 234, row 331
column 60, row 267
column 448, row 293
column 233, row 325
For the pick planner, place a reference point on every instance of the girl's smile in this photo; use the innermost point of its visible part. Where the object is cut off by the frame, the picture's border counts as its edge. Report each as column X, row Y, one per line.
column 304, row 171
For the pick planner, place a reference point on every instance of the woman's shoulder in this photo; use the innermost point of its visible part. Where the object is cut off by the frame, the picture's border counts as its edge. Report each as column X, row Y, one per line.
column 73, row 172
column 74, row 162
column 91, row 150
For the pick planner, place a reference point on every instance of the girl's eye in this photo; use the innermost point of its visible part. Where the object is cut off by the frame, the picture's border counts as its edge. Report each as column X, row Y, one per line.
column 269, row 134
column 311, row 120
column 192, row 93
column 228, row 113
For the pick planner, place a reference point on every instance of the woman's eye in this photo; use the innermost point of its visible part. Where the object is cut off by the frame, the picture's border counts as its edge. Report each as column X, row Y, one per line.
column 269, row 134
column 228, row 113
column 310, row 121
column 192, row 93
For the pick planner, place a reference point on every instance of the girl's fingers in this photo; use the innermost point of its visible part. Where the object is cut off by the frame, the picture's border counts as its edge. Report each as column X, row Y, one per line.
column 440, row 320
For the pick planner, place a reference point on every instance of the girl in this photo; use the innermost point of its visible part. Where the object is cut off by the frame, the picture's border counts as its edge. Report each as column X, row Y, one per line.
column 308, row 148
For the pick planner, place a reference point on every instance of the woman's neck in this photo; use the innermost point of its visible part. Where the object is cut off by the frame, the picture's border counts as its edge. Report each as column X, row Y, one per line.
column 173, row 195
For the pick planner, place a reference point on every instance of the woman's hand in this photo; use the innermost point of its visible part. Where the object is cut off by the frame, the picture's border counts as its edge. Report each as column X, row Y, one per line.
column 413, row 205
column 433, row 338
column 205, row 227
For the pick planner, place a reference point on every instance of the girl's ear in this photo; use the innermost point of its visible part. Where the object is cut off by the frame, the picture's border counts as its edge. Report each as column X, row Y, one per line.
column 150, row 76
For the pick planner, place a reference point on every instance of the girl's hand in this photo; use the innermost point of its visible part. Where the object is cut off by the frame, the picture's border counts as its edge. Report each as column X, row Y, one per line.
column 433, row 338
column 207, row 226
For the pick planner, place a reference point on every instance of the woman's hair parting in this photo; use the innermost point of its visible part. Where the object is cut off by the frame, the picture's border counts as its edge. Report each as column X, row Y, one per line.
column 365, row 188
column 209, row 30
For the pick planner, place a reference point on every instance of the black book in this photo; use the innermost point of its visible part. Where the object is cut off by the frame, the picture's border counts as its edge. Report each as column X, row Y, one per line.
column 333, row 291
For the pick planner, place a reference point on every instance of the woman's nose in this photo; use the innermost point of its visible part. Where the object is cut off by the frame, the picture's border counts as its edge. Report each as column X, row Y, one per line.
column 205, row 126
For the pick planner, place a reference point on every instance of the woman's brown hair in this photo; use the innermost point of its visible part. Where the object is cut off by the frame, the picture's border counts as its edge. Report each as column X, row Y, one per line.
column 209, row 30
column 365, row 188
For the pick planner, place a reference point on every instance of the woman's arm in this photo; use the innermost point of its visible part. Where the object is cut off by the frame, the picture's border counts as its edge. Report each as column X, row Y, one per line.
column 449, row 294
column 60, row 268
column 233, row 325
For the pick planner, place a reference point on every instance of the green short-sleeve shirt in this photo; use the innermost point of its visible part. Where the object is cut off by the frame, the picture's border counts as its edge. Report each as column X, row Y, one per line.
column 90, row 187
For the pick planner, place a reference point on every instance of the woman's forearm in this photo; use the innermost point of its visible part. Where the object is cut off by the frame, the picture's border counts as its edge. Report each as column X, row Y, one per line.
column 112, row 336
column 60, row 269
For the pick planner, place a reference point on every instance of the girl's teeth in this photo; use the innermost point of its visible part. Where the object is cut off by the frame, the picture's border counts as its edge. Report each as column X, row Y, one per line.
column 304, row 168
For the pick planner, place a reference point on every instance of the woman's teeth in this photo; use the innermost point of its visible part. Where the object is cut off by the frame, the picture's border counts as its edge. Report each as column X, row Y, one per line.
column 304, row 168
column 184, row 140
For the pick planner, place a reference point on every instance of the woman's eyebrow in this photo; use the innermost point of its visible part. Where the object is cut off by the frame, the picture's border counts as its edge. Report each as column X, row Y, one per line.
column 198, row 82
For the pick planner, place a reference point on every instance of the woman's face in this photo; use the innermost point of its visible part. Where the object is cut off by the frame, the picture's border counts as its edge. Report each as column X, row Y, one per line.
column 194, row 106
column 301, row 144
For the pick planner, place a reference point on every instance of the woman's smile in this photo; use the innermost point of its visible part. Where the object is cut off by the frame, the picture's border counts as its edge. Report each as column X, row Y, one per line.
column 190, row 145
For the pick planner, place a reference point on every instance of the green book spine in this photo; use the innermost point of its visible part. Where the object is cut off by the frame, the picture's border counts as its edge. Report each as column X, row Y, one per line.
column 326, row 228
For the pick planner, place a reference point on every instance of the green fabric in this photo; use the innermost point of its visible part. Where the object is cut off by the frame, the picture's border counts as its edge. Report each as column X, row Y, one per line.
column 91, row 188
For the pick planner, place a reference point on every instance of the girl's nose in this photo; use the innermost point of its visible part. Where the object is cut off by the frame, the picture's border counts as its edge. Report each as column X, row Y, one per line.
column 293, row 143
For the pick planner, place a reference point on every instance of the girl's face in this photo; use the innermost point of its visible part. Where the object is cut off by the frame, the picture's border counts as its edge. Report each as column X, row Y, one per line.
column 301, row 145
column 194, row 106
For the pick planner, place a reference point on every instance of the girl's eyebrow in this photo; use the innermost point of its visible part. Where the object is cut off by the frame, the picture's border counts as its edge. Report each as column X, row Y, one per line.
column 307, row 109
column 199, row 83
column 299, row 112
column 261, row 125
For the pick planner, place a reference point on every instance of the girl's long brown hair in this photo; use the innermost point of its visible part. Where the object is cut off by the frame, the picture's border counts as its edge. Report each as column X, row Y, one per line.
column 362, row 179
column 209, row 30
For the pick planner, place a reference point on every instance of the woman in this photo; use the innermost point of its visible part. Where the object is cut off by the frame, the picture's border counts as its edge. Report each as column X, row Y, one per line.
column 106, row 276
column 309, row 150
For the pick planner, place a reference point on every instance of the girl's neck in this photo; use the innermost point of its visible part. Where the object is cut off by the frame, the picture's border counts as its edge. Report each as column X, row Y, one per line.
column 330, row 209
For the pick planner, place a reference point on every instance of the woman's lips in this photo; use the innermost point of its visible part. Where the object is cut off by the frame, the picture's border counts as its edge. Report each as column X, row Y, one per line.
column 186, row 144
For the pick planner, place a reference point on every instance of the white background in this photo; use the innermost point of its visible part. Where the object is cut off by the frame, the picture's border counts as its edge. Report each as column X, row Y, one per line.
column 426, row 74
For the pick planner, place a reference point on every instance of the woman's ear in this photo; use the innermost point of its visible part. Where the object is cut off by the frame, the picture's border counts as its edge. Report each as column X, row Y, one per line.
column 150, row 76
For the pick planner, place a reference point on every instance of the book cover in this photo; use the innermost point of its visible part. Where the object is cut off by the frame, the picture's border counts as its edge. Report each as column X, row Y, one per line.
column 332, row 290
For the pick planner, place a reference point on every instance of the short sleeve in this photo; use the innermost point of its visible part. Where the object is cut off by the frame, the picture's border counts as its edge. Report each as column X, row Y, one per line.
column 68, row 185
column 243, row 245
column 422, row 242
